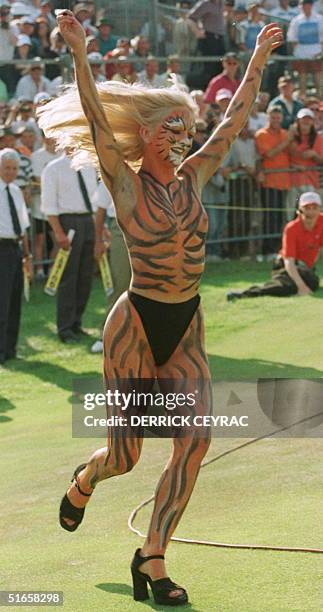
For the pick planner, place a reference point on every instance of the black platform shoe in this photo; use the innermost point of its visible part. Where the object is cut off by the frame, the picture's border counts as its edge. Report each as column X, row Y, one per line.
column 67, row 510
column 161, row 588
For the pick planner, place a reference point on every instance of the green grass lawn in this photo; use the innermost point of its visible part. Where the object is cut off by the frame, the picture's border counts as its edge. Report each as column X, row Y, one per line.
column 266, row 493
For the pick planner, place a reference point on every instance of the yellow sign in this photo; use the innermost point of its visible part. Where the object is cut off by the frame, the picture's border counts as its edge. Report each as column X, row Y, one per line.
column 58, row 268
column 26, row 286
column 105, row 274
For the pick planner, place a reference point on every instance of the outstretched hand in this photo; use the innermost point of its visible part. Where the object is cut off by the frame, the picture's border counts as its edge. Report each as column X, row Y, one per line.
column 71, row 30
column 270, row 37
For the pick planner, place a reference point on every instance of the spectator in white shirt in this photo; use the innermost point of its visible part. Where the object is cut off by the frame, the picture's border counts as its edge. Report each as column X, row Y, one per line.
column 306, row 35
column 22, row 115
column 174, row 68
column 8, row 41
column 33, row 82
column 96, row 63
column 251, row 27
column 284, row 11
column 13, row 224
column 243, row 152
column 257, row 119
column 39, row 160
column 149, row 76
column 66, row 199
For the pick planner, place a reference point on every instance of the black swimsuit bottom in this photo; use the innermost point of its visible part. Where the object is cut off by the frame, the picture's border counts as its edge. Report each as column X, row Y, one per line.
column 165, row 324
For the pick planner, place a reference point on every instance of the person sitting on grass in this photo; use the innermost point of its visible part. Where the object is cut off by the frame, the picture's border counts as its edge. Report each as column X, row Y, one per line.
column 293, row 270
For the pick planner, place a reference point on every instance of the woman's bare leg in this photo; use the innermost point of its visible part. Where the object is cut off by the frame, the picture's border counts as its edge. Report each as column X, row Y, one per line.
column 178, row 479
column 128, row 358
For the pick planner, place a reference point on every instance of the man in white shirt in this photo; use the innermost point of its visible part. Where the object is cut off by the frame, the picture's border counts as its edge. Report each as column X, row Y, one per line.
column 284, row 11
column 257, row 119
column 8, row 41
column 149, row 76
column 306, row 35
column 13, row 224
column 66, row 199
column 117, row 253
column 39, row 159
column 174, row 68
column 33, row 82
column 96, row 64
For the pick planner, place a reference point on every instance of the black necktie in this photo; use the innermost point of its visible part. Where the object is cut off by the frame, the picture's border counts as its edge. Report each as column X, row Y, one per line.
column 85, row 194
column 14, row 214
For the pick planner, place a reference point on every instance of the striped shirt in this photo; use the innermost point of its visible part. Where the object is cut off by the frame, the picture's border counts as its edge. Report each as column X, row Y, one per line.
column 25, row 171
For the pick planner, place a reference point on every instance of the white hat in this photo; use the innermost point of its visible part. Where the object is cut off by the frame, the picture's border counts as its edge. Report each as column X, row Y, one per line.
column 223, row 94
column 310, row 197
column 23, row 39
column 305, row 112
column 41, row 96
column 27, row 19
column 252, row 3
column 95, row 58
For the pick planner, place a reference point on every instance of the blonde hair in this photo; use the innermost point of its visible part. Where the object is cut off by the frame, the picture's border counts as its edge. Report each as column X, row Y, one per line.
column 127, row 108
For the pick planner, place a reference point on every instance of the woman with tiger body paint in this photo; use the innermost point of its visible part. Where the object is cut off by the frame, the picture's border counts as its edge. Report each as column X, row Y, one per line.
column 156, row 329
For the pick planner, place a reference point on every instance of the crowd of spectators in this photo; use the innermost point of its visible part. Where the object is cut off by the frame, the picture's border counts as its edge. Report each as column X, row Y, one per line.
column 278, row 154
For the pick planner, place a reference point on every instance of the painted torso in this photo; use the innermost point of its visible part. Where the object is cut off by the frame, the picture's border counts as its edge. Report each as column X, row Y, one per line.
column 165, row 235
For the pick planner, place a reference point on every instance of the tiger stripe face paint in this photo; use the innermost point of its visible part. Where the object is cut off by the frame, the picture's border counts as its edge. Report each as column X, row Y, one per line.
column 173, row 138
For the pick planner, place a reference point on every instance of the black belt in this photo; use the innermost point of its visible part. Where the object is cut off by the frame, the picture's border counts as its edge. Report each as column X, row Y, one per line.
column 9, row 240
column 215, row 35
column 86, row 214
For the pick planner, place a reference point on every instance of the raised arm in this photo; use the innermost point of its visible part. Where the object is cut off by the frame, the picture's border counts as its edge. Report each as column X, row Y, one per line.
column 207, row 159
column 109, row 154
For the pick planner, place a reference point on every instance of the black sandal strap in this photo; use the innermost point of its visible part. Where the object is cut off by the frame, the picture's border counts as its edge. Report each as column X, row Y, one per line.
column 78, row 470
column 144, row 559
column 153, row 557
column 76, row 480
column 166, row 584
column 138, row 560
column 77, row 484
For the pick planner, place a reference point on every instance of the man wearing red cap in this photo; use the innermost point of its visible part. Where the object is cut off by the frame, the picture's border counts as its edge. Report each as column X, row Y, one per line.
column 294, row 271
